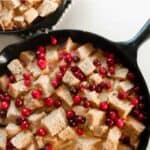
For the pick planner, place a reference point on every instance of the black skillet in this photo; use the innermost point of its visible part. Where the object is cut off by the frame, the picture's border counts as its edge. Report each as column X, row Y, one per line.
column 126, row 51
column 39, row 23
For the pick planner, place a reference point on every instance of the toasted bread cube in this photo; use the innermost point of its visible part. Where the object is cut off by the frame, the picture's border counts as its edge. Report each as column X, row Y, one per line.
column 22, row 140
column 70, row 79
column 126, row 85
column 92, row 96
column 32, row 147
column 120, row 72
column 55, row 121
column 80, row 110
column 85, row 50
column 86, row 66
column 27, row 57
column 40, row 141
column 124, row 147
column 4, row 82
column 17, row 69
column 95, row 118
column 52, row 53
column 96, row 78
column 3, row 139
column 12, row 129
column 87, row 143
column 64, row 94
column 103, row 96
column 19, row 21
column 47, row 7
column 70, row 45
column 30, row 15
column 67, row 134
column 18, row 88
column 11, row 4
column 123, row 107
column 100, row 131
column 22, row 8
column 33, row 2
column 43, row 82
column 12, row 112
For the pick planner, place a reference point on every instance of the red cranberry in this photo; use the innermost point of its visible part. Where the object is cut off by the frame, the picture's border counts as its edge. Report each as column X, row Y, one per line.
column 37, row 93
column 104, row 105
column 42, row 63
column 76, row 58
column 72, row 123
column 92, row 87
column 48, row 147
column 7, row 98
column 3, row 113
column 63, row 68
column 68, row 58
column 20, row 119
column 137, row 89
column 134, row 101
column 74, row 69
column 125, row 139
column 77, row 99
column 26, row 112
column 141, row 105
column 9, row 145
column 136, row 112
column 110, row 61
column 80, row 131
column 108, row 85
column 112, row 69
column 49, row 101
column 27, row 76
column 57, row 103
column 41, row 132
column 11, row 79
column 19, row 102
column 62, row 55
column 80, row 119
column 81, row 77
column 59, row 76
column 25, row 125
column 96, row 62
column 55, row 83
column 53, row 40
column 102, row 85
column 27, row 83
column 41, row 56
column 109, row 122
column 41, row 49
column 120, row 123
column 2, row 97
column 112, row 115
column 87, row 104
column 122, row 95
column 81, row 87
column 102, row 71
column 130, row 76
column 4, row 105
column 70, row 114
column 141, row 116
column 98, row 88
column 73, row 90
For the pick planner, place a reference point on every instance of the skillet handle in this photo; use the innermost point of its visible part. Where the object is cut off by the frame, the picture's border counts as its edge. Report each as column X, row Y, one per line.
column 131, row 46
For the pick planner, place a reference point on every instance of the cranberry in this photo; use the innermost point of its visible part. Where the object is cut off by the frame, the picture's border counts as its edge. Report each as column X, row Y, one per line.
column 134, row 101
column 96, row 62
column 87, row 104
column 76, row 58
column 9, row 145
column 120, row 123
column 2, row 97
column 80, row 131
column 55, row 83
column 41, row 49
column 59, row 76
column 70, row 114
column 125, row 139
column 104, row 106
column 11, row 79
column 20, row 119
column 19, row 102
column 53, row 40
column 25, row 125
column 3, row 113
column 136, row 112
column 7, row 98
column 68, row 58
column 41, row 56
column 102, row 71
column 41, row 132
column 80, row 119
column 110, row 61
column 102, row 85
column 108, row 85
column 49, row 101
column 109, row 122
column 27, row 83
column 42, row 63
column 27, row 76
column 74, row 69
column 23, row 1
column 62, row 55
column 57, row 103
column 122, row 95
column 141, row 116
column 98, row 88
column 77, row 99
column 137, row 89
column 73, row 90
column 37, row 93
column 81, row 77
column 26, row 112
column 48, row 147
column 141, row 105
column 72, row 123
column 63, row 68
column 81, row 87
column 112, row 115
column 4, row 105
column 92, row 87
column 112, row 69
column 130, row 76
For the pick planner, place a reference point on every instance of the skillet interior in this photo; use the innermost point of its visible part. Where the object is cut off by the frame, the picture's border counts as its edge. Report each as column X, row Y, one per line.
column 122, row 52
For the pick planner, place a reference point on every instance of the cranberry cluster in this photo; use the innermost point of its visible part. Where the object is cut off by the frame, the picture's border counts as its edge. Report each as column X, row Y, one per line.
column 52, row 102
column 27, row 79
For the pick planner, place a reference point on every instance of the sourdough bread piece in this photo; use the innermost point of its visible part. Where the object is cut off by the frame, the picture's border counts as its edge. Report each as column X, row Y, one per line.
column 126, row 85
column 70, row 45
column 11, row 4
column 4, row 82
column 55, row 122
column 80, row 110
column 3, row 139
column 95, row 78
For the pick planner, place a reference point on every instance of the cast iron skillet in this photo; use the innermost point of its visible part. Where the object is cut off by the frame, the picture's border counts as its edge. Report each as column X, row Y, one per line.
column 126, row 51
column 39, row 23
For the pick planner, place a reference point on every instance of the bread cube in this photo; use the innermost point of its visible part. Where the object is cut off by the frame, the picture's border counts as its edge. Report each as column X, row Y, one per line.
column 40, row 141
column 87, row 143
column 18, row 88
column 4, row 82
column 3, row 139
column 96, row 78
column 85, row 50
column 104, row 96
column 64, row 93
column 124, row 147
column 32, row 147
column 12, row 129
column 30, row 15
column 47, row 7
column 123, row 107
column 17, row 69
column 22, row 8
column 55, row 122
column 22, row 140
column 27, row 57
column 11, row 4
column 70, row 45
column 80, row 110
column 67, row 134
column 92, row 96
column 120, row 72
column 43, row 82
column 95, row 118
column 19, row 21
column 126, row 85
column 70, row 79
column 86, row 66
